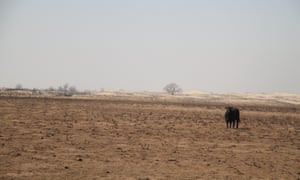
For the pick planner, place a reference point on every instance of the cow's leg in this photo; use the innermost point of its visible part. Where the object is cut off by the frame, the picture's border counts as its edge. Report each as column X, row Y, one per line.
column 233, row 123
column 237, row 124
column 227, row 124
column 230, row 123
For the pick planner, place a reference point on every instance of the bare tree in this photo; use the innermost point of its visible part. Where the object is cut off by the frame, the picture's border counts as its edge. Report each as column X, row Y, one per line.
column 19, row 86
column 60, row 89
column 172, row 88
column 72, row 90
column 51, row 88
column 34, row 91
column 66, row 86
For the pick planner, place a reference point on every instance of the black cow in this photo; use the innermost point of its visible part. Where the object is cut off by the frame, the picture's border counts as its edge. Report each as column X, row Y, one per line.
column 231, row 115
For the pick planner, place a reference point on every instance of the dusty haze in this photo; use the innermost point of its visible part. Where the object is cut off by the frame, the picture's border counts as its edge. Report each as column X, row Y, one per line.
column 214, row 46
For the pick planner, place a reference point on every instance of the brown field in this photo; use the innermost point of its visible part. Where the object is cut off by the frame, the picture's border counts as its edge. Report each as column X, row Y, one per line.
column 56, row 138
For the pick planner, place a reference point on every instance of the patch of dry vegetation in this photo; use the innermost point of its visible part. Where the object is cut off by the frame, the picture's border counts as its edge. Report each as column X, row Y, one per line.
column 132, row 137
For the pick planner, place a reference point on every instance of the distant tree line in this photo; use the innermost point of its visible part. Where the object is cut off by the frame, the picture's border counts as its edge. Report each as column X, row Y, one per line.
column 65, row 90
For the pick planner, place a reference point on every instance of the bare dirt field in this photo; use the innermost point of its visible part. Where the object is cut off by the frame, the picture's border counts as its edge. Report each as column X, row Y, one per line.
column 65, row 138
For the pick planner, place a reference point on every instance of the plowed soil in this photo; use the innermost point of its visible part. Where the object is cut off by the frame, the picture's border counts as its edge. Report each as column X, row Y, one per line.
column 47, row 138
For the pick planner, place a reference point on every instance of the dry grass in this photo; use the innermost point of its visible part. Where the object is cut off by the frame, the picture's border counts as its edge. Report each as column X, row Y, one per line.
column 46, row 138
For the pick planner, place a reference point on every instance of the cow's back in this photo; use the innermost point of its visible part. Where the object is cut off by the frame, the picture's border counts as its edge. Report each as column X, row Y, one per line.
column 236, row 114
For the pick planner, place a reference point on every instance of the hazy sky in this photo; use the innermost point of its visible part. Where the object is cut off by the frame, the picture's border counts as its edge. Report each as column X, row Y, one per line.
column 208, row 45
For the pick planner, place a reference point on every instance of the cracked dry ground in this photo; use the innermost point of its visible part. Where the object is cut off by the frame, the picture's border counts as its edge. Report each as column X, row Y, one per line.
column 95, row 139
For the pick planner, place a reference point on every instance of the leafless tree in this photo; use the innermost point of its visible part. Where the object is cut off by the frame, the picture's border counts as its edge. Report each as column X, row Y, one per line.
column 51, row 88
column 60, row 89
column 72, row 90
column 172, row 88
column 67, row 90
column 19, row 86
column 66, row 86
